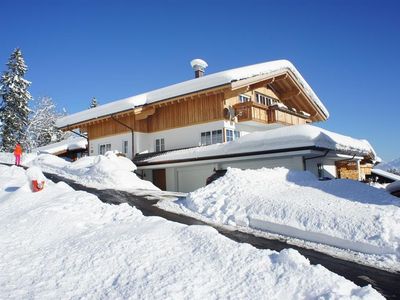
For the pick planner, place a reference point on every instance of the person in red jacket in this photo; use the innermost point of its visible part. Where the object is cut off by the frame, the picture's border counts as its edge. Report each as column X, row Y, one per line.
column 17, row 154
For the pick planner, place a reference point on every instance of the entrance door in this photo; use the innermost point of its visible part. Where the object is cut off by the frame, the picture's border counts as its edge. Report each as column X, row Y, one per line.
column 159, row 179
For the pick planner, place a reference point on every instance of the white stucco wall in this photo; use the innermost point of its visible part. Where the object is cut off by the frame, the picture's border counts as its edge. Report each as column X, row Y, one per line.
column 176, row 138
column 328, row 165
column 115, row 141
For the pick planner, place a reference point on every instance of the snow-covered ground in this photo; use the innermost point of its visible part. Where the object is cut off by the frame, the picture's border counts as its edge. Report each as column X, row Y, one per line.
column 344, row 214
column 101, row 171
column 9, row 158
column 60, row 243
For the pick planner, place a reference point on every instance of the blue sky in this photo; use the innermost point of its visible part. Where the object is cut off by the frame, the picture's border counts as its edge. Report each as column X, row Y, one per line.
column 348, row 51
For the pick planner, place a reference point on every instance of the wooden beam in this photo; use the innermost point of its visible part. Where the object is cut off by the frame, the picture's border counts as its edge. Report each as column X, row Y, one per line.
column 289, row 94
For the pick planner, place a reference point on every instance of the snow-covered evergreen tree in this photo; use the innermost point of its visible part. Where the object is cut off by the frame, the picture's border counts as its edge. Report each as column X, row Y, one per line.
column 41, row 128
column 14, row 110
column 93, row 103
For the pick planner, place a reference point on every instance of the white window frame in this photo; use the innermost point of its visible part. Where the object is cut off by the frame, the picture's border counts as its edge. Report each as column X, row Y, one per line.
column 106, row 148
column 125, row 145
column 244, row 98
column 211, row 137
column 265, row 100
column 231, row 134
column 160, row 145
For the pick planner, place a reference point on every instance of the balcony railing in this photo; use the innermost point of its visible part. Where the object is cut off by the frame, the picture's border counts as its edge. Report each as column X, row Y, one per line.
column 252, row 111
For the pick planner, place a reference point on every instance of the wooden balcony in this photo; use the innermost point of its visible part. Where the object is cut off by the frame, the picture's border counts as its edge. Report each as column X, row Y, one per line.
column 252, row 111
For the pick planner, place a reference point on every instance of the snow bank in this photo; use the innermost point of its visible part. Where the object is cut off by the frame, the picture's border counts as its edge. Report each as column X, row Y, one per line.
column 276, row 139
column 62, row 243
column 102, row 171
column 341, row 213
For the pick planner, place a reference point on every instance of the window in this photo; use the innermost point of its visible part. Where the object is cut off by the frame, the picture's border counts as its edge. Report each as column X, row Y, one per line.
column 262, row 99
column 206, row 138
column 232, row 135
column 320, row 168
column 160, row 145
column 103, row 148
column 211, row 137
column 244, row 98
column 125, row 147
column 216, row 136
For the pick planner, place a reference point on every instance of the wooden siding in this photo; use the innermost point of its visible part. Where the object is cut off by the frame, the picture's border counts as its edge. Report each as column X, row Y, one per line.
column 178, row 114
column 107, row 127
column 185, row 113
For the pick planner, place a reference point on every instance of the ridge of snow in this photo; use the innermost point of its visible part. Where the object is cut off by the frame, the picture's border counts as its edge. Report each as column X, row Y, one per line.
column 274, row 139
column 189, row 86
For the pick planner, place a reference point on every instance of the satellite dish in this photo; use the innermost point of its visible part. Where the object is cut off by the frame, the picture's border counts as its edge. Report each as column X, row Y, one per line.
column 229, row 113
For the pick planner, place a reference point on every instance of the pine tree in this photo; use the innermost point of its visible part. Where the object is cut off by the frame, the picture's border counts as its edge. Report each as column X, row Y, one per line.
column 93, row 103
column 42, row 129
column 14, row 109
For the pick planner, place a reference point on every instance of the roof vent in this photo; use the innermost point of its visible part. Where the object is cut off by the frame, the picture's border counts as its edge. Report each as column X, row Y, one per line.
column 198, row 66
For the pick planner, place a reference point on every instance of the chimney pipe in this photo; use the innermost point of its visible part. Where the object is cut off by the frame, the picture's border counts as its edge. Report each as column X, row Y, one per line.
column 198, row 66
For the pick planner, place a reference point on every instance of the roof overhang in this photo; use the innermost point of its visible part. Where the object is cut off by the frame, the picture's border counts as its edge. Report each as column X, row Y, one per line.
column 289, row 89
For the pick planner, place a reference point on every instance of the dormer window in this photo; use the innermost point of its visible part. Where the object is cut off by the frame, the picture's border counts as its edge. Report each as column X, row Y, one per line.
column 244, row 98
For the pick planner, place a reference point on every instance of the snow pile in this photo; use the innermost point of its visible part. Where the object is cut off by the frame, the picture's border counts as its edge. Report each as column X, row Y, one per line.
column 272, row 68
column 102, row 171
column 341, row 213
column 66, row 244
column 286, row 137
column 71, row 143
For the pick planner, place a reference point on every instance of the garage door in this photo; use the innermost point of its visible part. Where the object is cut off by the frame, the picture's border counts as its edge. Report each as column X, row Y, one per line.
column 192, row 178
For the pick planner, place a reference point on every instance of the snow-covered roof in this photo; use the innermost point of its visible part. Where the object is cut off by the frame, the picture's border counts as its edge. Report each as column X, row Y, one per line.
column 385, row 174
column 72, row 143
column 271, row 68
column 287, row 137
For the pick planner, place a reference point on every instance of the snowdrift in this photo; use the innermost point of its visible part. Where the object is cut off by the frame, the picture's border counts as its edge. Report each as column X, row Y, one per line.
column 61, row 243
column 341, row 213
column 102, row 171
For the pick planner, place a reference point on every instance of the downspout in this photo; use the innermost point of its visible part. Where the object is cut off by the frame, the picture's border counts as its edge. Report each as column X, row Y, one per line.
column 318, row 156
column 132, row 132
